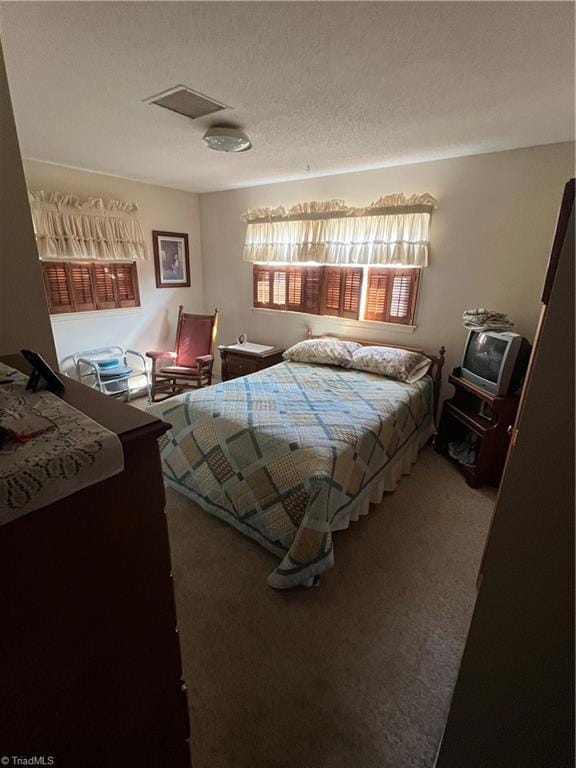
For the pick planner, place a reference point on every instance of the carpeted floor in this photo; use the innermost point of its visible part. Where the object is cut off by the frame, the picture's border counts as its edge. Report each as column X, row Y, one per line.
column 357, row 673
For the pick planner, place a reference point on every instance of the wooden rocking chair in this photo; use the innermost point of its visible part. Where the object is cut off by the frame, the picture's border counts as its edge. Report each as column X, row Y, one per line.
column 190, row 366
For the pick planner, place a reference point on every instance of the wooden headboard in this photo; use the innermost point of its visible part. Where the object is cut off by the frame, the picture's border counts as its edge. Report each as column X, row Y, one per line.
column 435, row 368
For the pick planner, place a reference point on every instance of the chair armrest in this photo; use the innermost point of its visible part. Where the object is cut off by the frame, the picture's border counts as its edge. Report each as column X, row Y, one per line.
column 205, row 362
column 157, row 356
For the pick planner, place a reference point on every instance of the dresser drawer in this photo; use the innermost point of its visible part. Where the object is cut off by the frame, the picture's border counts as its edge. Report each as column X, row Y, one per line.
column 241, row 366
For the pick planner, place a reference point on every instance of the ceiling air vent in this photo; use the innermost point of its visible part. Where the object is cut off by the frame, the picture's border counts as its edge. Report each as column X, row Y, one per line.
column 186, row 102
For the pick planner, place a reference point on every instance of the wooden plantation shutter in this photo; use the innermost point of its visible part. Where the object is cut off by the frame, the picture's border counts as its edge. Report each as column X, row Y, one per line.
column 126, row 285
column 271, row 287
column 80, row 276
column 86, row 286
column 332, row 282
column 377, row 295
column 104, row 281
column 312, row 292
column 278, row 282
column 295, row 291
column 261, row 276
column 304, row 289
column 391, row 295
column 403, row 296
column 350, row 293
column 315, row 290
column 58, row 293
column 342, row 291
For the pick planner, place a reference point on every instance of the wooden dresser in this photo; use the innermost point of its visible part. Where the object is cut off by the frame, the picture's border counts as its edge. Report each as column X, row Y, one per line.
column 89, row 652
column 236, row 362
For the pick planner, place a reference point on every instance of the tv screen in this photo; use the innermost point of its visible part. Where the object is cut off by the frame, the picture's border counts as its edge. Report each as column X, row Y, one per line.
column 484, row 356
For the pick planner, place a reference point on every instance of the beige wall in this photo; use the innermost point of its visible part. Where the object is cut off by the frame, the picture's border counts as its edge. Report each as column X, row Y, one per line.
column 490, row 240
column 24, row 321
column 153, row 325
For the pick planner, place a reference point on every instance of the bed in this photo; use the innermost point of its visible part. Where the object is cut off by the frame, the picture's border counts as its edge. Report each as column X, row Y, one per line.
column 295, row 452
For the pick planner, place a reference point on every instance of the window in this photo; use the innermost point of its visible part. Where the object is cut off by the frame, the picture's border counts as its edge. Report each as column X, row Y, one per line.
column 386, row 294
column 315, row 290
column 78, row 286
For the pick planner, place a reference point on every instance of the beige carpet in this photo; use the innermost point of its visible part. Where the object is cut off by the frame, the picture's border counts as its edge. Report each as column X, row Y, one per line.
column 356, row 673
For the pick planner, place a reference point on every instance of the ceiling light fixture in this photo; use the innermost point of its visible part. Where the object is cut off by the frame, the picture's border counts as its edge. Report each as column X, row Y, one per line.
column 226, row 139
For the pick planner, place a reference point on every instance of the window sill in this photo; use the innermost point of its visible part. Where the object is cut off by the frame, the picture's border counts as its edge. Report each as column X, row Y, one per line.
column 64, row 317
column 397, row 327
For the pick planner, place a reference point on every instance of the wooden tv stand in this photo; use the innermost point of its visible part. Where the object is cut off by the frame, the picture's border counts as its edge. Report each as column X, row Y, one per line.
column 491, row 418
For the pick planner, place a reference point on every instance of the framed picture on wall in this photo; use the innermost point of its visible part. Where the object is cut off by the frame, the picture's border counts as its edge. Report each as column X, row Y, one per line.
column 171, row 259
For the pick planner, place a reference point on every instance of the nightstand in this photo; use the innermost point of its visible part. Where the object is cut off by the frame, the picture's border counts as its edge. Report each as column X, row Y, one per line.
column 238, row 362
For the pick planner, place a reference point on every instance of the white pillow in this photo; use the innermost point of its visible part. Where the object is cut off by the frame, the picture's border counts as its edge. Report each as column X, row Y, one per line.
column 323, row 352
column 396, row 363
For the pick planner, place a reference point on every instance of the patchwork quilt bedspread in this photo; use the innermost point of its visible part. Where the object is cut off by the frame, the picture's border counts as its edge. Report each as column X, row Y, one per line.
column 283, row 454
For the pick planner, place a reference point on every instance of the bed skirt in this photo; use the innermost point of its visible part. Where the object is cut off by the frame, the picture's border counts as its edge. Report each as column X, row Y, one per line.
column 400, row 465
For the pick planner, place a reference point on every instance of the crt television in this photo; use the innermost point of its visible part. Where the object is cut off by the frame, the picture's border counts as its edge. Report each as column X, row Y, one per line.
column 495, row 362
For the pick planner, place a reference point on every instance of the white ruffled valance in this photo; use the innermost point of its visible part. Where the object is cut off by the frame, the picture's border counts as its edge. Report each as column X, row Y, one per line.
column 93, row 230
column 392, row 231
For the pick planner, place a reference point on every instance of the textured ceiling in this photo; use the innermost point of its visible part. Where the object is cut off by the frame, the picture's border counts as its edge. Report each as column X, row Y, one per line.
column 336, row 86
